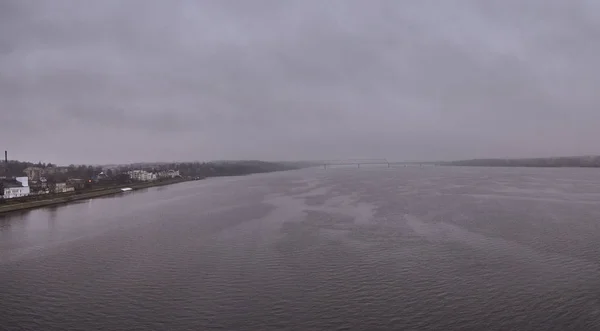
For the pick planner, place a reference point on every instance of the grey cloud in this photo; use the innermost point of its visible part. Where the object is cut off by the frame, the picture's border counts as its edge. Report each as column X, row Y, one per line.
column 112, row 81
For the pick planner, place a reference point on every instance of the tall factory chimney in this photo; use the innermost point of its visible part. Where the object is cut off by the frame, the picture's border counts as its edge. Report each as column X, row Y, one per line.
column 6, row 157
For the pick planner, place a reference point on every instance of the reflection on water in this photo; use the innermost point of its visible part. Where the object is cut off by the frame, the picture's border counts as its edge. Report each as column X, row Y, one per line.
column 7, row 219
column 52, row 213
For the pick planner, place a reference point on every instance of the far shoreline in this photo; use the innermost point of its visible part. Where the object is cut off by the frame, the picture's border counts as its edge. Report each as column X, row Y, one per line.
column 590, row 161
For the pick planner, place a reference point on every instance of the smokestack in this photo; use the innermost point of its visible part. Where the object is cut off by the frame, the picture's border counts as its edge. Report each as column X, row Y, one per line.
column 6, row 157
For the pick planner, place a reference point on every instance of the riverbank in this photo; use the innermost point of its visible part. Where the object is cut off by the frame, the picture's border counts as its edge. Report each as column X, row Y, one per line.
column 57, row 200
column 544, row 162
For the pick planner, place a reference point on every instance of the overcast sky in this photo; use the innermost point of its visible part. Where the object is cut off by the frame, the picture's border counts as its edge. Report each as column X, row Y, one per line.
column 88, row 81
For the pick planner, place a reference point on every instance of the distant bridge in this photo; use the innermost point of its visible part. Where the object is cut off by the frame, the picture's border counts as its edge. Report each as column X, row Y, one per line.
column 368, row 162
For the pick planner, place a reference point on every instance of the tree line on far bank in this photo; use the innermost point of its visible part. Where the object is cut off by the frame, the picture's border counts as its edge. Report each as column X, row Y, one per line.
column 186, row 169
column 575, row 162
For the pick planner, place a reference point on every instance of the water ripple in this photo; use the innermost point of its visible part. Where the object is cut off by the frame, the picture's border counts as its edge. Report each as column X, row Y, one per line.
column 379, row 249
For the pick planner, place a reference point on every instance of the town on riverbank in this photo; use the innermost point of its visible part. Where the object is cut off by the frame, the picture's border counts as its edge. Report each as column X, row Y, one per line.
column 25, row 185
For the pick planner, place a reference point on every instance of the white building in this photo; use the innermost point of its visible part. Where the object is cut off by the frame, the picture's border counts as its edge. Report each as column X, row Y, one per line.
column 63, row 188
column 15, row 192
column 168, row 174
column 142, row 175
column 23, row 180
column 17, row 189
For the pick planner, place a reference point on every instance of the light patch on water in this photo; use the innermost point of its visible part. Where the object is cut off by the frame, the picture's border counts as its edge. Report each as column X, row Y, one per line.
column 562, row 266
column 531, row 198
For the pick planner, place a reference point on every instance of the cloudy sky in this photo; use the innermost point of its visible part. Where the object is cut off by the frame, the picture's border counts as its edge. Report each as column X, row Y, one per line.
column 124, row 81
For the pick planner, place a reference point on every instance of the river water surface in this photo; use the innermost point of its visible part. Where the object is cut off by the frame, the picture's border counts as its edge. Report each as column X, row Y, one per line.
column 340, row 249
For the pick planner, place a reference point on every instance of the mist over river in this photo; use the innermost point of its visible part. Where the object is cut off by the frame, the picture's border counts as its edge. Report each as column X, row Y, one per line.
column 435, row 248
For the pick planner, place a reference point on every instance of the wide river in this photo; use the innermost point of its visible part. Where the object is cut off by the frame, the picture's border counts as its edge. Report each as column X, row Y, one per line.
column 437, row 248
